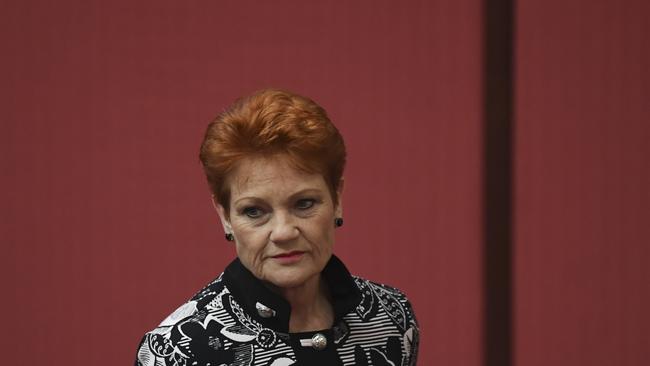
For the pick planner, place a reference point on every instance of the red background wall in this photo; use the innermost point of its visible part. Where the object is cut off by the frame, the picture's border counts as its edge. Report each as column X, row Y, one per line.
column 106, row 222
column 582, row 239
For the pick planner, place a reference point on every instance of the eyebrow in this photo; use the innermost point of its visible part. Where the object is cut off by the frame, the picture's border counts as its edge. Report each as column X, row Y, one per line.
column 293, row 195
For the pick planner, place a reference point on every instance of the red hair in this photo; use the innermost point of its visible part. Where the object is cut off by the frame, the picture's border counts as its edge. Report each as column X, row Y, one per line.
column 272, row 122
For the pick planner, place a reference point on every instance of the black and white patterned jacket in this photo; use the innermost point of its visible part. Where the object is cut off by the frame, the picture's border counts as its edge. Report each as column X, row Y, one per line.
column 236, row 320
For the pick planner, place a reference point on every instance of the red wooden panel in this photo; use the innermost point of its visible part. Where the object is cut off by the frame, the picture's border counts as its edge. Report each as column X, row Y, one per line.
column 582, row 175
column 106, row 222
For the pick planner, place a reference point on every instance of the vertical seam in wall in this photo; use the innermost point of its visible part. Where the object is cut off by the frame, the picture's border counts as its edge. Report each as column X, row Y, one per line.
column 498, row 34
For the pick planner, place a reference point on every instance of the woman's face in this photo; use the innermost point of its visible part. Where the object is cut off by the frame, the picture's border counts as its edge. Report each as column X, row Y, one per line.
column 282, row 220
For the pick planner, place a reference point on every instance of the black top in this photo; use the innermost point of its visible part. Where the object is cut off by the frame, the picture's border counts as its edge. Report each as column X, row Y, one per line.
column 237, row 320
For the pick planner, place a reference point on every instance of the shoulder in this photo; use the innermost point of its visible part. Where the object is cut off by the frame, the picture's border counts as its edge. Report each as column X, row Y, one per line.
column 363, row 283
column 172, row 339
column 375, row 295
column 196, row 303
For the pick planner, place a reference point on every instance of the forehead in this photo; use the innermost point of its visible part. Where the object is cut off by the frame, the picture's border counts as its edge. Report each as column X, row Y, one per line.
column 271, row 176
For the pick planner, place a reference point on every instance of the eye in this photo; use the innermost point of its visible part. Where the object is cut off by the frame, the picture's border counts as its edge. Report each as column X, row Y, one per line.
column 253, row 212
column 305, row 203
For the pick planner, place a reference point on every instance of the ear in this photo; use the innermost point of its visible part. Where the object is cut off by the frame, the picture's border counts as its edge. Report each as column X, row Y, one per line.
column 225, row 220
column 339, row 203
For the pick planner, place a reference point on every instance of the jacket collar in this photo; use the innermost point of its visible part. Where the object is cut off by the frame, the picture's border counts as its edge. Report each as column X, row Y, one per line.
column 250, row 292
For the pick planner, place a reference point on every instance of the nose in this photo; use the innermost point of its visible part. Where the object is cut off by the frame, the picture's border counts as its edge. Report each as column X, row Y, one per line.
column 284, row 228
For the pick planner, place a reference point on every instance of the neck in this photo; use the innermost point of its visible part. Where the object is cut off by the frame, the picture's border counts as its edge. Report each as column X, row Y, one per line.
column 311, row 309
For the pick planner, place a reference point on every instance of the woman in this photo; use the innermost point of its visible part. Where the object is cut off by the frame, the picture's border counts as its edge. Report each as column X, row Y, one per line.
column 274, row 163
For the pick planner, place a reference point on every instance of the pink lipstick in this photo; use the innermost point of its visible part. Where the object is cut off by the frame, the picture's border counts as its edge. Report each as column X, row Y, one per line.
column 290, row 257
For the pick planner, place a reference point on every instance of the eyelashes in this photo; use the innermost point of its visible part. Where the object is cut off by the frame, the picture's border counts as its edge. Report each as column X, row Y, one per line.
column 305, row 203
column 252, row 212
column 302, row 207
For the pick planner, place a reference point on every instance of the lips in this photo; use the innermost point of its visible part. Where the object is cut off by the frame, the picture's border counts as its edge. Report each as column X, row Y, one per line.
column 292, row 254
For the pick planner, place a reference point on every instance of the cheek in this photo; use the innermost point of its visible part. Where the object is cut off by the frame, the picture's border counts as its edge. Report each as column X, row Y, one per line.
column 250, row 241
column 323, row 230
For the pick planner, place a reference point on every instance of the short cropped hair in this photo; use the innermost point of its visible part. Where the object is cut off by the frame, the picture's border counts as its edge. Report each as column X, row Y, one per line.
column 267, row 123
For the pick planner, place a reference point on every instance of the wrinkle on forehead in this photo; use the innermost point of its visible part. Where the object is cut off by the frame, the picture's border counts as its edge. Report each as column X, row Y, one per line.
column 268, row 175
